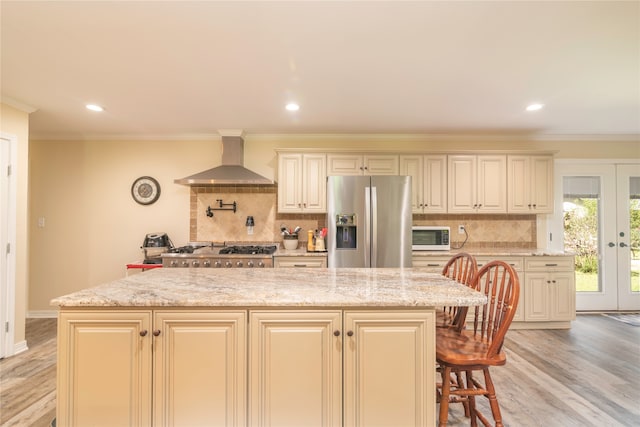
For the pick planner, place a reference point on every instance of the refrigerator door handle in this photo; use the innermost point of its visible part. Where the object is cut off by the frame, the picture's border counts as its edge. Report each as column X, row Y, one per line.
column 374, row 227
column 367, row 227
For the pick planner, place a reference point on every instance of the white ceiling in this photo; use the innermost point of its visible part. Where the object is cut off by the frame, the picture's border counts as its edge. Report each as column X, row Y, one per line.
column 187, row 69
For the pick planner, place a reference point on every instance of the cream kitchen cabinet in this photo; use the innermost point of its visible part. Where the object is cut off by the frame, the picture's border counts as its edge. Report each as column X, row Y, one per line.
column 477, row 184
column 104, row 368
column 302, row 182
column 530, row 183
column 550, row 291
column 547, row 287
column 431, row 263
column 362, row 164
column 301, row 363
column 109, row 374
column 429, row 182
column 300, row 261
column 517, row 262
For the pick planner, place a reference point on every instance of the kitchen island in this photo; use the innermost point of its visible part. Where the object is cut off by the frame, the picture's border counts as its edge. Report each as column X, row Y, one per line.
column 253, row 347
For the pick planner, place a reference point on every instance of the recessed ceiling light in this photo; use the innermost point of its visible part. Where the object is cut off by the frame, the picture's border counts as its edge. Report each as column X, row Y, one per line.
column 534, row 107
column 292, row 106
column 94, row 107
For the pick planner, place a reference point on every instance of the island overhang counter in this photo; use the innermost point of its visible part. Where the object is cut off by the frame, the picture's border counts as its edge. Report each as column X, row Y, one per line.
column 253, row 347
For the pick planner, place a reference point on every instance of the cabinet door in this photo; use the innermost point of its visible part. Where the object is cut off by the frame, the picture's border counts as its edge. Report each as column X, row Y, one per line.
column 380, row 164
column 344, row 164
column 295, row 370
column 431, row 263
column 492, row 184
column 314, row 183
column 289, row 182
column 563, row 296
column 519, row 183
column 299, row 261
column 412, row 166
column 104, row 368
column 530, row 184
column 435, row 184
column 536, row 298
column 389, row 359
column 200, row 368
column 461, row 183
column 542, row 184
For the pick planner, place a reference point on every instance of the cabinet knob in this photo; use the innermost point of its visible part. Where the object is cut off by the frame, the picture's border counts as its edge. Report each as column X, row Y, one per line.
column 143, row 333
column 336, row 333
column 349, row 333
column 623, row 245
column 156, row 332
column 611, row 244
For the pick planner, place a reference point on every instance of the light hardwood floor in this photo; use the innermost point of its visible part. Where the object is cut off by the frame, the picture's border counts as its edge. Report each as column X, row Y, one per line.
column 586, row 376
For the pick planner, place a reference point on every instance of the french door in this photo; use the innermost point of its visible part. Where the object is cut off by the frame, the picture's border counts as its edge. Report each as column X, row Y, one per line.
column 598, row 208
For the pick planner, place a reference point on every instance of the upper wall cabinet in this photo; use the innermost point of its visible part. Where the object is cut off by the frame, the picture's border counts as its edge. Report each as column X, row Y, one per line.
column 477, row 184
column 302, row 183
column 429, row 181
column 530, row 184
column 362, row 164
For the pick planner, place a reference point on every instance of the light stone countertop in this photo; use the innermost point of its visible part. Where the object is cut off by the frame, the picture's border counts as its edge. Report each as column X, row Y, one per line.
column 277, row 287
column 493, row 252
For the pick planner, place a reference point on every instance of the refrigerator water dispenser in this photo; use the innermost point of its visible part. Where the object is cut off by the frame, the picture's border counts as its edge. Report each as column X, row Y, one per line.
column 346, row 231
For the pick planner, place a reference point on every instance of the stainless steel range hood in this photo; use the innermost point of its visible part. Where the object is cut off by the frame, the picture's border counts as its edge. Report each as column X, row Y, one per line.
column 231, row 171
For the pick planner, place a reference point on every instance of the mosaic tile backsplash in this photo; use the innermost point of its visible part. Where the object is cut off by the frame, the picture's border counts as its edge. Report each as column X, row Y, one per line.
column 260, row 201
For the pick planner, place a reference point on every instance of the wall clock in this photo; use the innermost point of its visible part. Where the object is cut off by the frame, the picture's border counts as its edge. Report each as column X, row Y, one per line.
column 145, row 190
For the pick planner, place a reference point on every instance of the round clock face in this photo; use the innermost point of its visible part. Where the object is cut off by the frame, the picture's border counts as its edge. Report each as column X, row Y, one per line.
column 145, row 190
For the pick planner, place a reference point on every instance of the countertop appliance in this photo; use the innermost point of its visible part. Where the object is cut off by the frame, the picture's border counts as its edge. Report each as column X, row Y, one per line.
column 234, row 256
column 430, row 238
column 369, row 221
column 154, row 245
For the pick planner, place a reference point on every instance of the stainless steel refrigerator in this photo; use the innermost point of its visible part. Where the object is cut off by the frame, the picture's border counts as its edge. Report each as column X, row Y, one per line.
column 369, row 221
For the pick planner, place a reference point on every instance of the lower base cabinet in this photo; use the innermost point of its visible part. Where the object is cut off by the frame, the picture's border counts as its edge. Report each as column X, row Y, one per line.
column 547, row 288
column 302, row 367
column 143, row 368
column 303, row 361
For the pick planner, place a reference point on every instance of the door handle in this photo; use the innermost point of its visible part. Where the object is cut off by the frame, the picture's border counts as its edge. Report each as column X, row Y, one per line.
column 623, row 245
column 611, row 244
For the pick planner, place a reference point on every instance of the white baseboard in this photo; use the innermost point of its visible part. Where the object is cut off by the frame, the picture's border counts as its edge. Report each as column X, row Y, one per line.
column 20, row 347
column 42, row 314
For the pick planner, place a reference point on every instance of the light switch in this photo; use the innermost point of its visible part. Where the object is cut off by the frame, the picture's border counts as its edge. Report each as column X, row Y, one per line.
column 41, row 222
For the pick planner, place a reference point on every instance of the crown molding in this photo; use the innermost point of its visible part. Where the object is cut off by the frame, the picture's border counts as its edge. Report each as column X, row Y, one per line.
column 18, row 105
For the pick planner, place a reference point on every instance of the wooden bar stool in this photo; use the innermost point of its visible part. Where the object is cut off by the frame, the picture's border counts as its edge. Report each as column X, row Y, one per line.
column 462, row 268
column 460, row 354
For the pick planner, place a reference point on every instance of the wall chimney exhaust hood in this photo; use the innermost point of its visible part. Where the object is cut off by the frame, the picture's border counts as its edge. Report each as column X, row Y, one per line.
column 231, row 171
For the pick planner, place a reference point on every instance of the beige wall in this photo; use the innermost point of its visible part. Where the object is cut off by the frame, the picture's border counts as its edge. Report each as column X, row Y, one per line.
column 93, row 227
column 16, row 123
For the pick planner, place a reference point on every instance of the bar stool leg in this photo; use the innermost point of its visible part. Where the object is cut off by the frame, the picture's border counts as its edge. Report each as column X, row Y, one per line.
column 493, row 401
column 444, row 398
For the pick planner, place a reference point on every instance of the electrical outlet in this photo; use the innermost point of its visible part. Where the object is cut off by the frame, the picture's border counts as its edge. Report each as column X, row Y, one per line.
column 461, row 229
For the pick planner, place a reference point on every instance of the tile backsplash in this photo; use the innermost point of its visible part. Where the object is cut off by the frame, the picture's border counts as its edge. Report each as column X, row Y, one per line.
column 260, row 201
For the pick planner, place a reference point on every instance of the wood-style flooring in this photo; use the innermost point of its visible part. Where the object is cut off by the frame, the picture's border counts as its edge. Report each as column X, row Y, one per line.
column 586, row 376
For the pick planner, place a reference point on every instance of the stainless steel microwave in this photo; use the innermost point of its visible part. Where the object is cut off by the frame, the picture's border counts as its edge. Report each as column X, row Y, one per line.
column 430, row 238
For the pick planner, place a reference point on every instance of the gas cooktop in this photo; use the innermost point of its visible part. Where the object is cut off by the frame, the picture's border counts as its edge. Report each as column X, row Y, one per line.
column 248, row 250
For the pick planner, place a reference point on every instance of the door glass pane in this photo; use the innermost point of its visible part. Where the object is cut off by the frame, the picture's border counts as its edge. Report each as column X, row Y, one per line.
column 581, row 212
column 634, row 232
